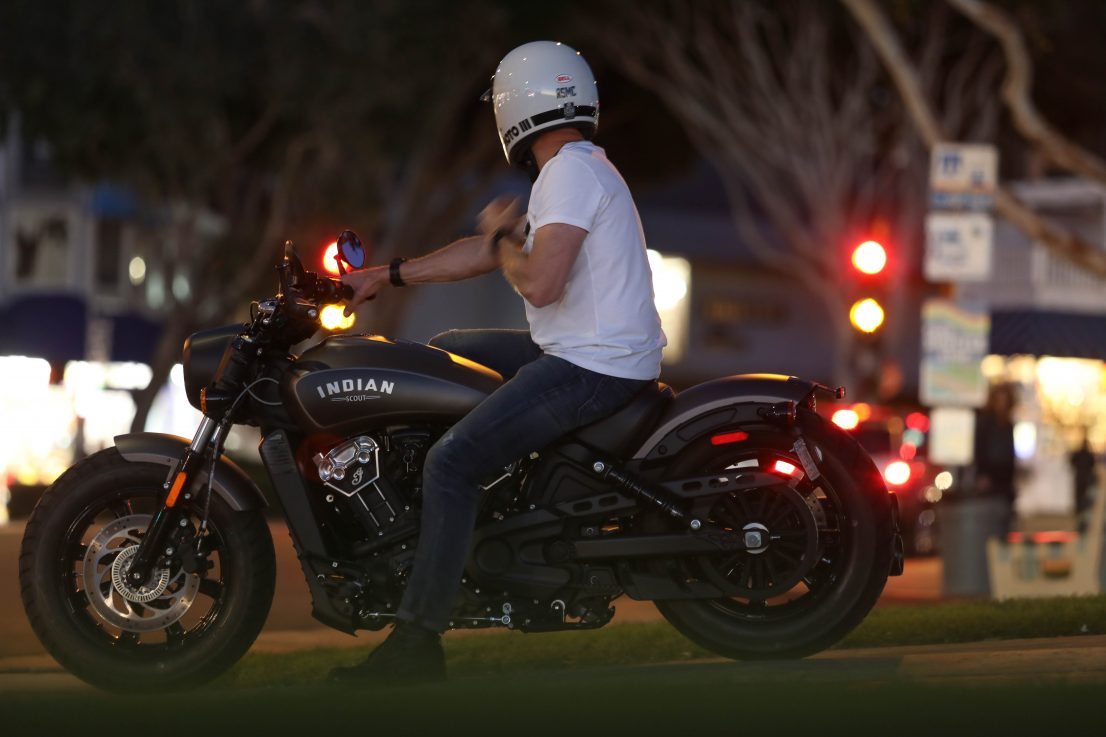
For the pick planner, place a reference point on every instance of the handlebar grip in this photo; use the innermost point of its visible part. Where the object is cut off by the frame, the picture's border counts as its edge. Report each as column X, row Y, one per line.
column 345, row 291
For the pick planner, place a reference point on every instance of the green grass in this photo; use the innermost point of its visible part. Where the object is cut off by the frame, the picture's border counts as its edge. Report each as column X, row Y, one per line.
column 641, row 644
column 612, row 681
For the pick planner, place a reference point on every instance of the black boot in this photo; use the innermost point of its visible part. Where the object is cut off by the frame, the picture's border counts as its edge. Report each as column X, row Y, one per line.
column 409, row 655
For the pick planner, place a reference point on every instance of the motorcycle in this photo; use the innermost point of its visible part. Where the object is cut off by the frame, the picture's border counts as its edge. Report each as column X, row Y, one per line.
column 759, row 529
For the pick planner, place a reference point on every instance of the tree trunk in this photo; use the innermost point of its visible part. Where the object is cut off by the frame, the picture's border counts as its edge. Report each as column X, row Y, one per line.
column 166, row 354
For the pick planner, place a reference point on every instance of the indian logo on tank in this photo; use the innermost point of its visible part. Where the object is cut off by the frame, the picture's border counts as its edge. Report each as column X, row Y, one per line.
column 354, row 390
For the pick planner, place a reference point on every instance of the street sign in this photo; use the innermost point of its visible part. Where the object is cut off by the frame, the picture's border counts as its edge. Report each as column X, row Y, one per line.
column 958, row 246
column 963, row 176
column 951, row 436
column 954, row 342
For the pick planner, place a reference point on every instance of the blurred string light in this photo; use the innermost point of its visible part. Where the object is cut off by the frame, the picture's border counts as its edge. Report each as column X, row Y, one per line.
column 136, row 270
column 943, row 481
column 36, row 438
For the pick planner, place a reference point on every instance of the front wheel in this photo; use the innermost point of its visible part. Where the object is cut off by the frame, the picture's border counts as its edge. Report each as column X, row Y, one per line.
column 825, row 560
column 189, row 623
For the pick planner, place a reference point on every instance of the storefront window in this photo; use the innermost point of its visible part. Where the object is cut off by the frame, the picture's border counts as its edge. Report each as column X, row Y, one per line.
column 1060, row 401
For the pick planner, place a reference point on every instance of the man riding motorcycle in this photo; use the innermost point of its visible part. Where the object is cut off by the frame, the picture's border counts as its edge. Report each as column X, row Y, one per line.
column 578, row 259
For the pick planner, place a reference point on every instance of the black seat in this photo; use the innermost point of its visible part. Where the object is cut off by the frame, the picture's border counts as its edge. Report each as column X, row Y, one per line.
column 621, row 433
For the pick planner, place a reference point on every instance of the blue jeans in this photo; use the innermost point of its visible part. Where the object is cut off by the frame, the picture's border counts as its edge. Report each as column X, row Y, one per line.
column 543, row 399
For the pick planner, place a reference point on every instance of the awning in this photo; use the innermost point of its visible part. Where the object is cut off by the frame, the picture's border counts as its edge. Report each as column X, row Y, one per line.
column 54, row 327
column 50, row 326
column 1069, row 335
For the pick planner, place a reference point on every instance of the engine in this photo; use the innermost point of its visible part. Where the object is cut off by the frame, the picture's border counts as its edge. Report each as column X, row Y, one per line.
column 372, row 485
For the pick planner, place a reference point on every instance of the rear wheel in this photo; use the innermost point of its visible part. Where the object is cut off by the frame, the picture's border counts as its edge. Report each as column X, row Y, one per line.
column 185, row 626
column 823, row 563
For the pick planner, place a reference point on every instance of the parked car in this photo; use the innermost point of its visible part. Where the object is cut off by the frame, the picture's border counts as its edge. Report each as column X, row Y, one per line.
column 897, row 443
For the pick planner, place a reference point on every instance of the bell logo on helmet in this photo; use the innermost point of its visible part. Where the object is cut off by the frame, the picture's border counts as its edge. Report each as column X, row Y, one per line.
column 561, row 78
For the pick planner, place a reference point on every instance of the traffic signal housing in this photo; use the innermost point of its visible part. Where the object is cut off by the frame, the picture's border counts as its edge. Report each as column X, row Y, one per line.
column 869, row 260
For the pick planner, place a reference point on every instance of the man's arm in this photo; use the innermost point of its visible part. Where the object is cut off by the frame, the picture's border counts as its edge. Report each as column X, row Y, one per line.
column 540, row 276
column 462, row 259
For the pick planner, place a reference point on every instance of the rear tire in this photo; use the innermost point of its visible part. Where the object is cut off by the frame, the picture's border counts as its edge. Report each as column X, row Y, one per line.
column 221, row 611
column 844, row 594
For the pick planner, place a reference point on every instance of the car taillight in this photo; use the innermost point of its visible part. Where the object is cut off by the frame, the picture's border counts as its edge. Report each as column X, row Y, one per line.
column 896, row 473
column 846, row 419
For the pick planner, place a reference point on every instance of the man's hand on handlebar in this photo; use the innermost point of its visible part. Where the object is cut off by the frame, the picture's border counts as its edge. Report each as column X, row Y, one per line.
column 365, row 284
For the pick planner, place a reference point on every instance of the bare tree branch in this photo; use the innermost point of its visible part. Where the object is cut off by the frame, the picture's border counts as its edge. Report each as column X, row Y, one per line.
column 886, row 41
column 1017, row 92
column 788, row 121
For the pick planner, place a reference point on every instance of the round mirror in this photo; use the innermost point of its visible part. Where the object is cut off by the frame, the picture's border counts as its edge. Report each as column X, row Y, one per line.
column 350, row 249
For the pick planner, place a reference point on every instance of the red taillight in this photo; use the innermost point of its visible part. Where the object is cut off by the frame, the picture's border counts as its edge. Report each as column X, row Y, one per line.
column 787, row 469
column 729, row 437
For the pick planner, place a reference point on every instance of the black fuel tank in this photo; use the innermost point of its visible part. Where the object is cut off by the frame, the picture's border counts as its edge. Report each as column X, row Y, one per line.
column 348, row 382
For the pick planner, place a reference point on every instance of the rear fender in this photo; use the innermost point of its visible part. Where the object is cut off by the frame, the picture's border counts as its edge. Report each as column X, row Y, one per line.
column 728, row 402
column 737, row 401
column 231, row 483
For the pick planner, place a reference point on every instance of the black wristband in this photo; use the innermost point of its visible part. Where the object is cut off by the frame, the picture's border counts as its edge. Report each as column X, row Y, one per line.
column 393, row 272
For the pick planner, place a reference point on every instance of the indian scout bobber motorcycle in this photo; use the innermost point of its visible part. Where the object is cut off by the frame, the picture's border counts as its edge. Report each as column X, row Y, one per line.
column 759, row 529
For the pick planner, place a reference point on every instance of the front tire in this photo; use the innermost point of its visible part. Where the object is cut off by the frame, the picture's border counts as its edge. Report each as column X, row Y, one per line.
column 834, row 596
column 185, row 628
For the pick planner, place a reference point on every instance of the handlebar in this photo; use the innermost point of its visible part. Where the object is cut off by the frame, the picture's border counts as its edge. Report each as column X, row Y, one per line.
column 331, row 290
column 311, row 286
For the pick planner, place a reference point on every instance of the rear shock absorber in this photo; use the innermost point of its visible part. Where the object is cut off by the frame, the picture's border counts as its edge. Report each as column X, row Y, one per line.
column 636, row 487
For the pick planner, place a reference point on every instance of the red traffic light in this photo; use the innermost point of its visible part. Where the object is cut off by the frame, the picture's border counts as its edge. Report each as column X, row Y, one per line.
column 869, row 257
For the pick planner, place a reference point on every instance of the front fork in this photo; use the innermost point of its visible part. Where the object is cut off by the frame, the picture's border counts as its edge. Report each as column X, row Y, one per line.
column 155, row 544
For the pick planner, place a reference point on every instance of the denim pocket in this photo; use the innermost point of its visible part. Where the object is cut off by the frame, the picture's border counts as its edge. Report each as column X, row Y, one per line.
column 609, row 395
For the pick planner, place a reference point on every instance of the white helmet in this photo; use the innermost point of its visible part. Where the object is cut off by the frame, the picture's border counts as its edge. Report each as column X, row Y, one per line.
column 540, row 86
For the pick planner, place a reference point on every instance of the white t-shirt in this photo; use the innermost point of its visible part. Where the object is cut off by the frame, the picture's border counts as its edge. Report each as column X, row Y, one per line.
column 606, row 320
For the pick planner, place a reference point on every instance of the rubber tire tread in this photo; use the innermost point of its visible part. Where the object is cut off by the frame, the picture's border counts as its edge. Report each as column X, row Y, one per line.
column 247, row 533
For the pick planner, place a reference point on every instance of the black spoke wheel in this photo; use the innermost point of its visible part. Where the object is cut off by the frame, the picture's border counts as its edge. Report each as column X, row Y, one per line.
column 787, row 525
column 184, row 625
column 825, row 552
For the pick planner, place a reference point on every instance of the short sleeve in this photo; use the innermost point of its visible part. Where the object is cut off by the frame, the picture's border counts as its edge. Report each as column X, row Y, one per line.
column 569, row 193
